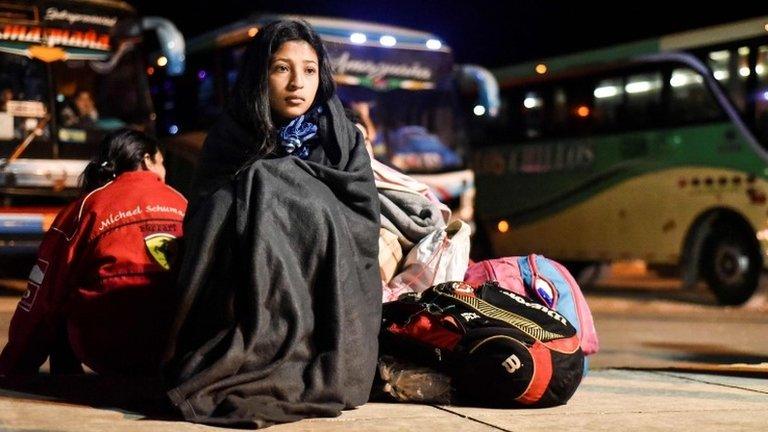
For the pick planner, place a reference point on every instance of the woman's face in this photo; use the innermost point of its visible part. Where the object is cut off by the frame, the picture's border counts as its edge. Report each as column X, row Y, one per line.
column 294, row 75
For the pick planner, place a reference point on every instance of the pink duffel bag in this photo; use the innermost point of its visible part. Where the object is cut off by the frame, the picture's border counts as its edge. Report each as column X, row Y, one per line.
column 545, row 281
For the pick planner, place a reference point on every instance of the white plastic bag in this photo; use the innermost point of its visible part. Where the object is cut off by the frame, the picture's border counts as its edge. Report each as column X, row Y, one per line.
column 441, row 256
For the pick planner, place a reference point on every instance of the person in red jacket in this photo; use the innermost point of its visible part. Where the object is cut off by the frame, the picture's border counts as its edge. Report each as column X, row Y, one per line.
column 100, row 291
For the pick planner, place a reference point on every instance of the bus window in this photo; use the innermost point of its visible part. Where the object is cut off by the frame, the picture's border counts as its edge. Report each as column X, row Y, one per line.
column 581, row 101
column 533, row 114
column 77, row 81
column 207, row 102
column 761, row 96
column 739, row 85
column 232, row 61
column 718, row 61
column 643, row 96
column 508, row 128
column 690, row 101
column 559, row 115
column 24, row 89
column 731, row 68
column 609, row 97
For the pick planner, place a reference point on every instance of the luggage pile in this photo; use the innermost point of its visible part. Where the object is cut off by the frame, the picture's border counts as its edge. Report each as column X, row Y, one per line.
column 511, row 331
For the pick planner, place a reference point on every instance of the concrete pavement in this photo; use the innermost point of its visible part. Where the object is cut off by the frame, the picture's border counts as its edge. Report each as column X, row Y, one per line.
column 607, row 400
column 670, row 360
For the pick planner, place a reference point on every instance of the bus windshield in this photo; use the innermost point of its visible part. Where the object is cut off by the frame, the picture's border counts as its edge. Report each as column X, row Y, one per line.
column 24, row 93
column 88, row 98
column 415, row 131
column 117, row 98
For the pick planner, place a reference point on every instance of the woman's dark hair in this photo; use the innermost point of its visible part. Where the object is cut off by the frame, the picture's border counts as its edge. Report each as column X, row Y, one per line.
column 249, row 105
column 120, row 151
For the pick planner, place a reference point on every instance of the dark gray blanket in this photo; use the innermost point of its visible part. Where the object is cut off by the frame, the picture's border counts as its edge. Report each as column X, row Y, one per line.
column 280, row 299
column 410, row 215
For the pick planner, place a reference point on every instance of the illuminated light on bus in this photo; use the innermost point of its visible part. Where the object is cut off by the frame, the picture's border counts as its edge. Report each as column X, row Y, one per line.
column 606, row 92
column 582, row 111
column 252, row 31
column 358, row 38
column 765, row 95
column 760, row 69
column 721, row 75
column 434, row 44
column 531, row 102
column 388, row 41
column 541, row 68
column 150, row 70
column 719, row 55
column 678, row 80
column 503, row 226
column 766, row 27
column 744, row 71
column 173, row 130
column 162, row 61
column 59, row 98
column 479, row 110
column 171, row 45
column 638, row 87
column 201, row 74
column 681, row 78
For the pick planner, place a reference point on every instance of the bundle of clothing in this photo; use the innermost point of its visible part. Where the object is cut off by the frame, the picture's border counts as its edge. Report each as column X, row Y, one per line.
column 418, row 245
column 279, row 296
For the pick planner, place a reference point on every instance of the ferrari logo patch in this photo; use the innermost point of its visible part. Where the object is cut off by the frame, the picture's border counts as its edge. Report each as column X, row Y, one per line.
column 162, row 248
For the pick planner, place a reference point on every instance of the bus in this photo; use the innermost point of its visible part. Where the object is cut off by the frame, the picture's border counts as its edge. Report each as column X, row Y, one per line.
column 653, row 150
column 420, row 101
column 70, row 71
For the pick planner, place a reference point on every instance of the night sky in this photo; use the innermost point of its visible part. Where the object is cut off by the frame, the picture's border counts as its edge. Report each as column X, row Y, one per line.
column 481, row 31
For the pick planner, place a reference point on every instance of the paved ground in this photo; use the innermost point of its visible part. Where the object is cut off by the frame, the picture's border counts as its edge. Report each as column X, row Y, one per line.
column 670, row 360
column 607, row 400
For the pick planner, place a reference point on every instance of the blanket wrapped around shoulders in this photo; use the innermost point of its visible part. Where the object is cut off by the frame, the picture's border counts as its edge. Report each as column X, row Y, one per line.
column 280, row 302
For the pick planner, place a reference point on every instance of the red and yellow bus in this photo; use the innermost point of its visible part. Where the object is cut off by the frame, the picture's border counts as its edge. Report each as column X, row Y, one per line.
column 69, row 72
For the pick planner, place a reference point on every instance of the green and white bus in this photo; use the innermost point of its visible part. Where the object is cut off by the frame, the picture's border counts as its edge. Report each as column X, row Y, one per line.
column 654, row 150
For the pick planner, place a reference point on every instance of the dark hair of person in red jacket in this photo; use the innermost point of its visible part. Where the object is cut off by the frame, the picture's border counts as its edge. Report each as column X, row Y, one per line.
column 122, row 151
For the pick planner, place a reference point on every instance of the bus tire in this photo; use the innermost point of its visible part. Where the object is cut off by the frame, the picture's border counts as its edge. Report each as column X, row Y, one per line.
column 731, row 262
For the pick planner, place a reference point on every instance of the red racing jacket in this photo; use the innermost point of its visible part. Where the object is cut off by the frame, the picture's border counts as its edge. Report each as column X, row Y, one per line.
column 101, row 286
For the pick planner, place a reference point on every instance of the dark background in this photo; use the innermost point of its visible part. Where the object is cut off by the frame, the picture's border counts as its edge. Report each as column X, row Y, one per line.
column 490, row 33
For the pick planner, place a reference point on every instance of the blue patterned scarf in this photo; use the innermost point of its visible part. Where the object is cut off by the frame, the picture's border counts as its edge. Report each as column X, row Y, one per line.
column 294, row 135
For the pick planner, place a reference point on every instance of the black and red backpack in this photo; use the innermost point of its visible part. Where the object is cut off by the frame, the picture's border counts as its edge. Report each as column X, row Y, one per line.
column 499, row 349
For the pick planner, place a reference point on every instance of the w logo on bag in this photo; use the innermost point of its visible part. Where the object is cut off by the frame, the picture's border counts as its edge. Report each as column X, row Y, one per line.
column 512, row 363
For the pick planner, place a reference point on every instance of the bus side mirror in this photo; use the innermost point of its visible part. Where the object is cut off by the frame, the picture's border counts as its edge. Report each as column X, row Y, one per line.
column 487, row 89
column 171, row 42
